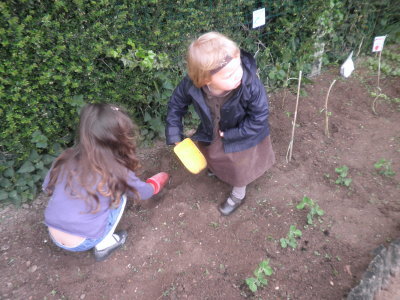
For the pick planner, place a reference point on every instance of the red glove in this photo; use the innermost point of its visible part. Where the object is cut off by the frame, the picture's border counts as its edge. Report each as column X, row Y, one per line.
column 158, row 181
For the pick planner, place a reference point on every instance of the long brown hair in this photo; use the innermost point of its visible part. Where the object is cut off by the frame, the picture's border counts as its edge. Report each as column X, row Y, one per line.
column 100, row 160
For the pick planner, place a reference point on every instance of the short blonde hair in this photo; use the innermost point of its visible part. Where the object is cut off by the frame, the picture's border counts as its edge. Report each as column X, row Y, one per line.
column 206, row 53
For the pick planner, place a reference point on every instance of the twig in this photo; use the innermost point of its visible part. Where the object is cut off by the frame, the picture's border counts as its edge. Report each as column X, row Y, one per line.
column 379, row 94
column 359, row 47
column 326, row 109
column 290, row 148
column 379, row 88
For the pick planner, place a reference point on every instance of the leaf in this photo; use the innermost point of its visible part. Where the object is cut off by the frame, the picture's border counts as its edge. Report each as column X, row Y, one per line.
column 5, row 183
column 283, row 242
column 27, row 167
column 347, row 181
column 39, row 139
column 39, row 165
column 34, row 156
column 36, row 178
column 48, row 159
column 251, row 283
column 264, row 265
column 147, row 117
column 298, row 232
column 168, row 85
column 3, row 195
column 13, row 195
column 292, row 243
column 9, row 173
column 263, row 281
column 309, row 219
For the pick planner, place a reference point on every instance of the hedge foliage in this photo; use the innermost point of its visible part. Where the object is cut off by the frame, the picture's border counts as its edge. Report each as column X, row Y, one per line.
column 56, row 55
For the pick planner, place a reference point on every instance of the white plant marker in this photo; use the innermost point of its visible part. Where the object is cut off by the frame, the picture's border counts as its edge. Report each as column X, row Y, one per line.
column 348, row 66
column 258, row 17
column 378, row 47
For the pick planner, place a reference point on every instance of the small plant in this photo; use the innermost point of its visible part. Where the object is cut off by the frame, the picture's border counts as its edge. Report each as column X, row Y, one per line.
column 262, row 270
column 342, row 179
column 315, row 210
column 290, row 239
column 384, row 167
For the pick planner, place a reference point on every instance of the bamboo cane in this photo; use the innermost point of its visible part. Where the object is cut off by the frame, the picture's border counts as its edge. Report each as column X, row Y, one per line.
column 290, row 148
column 326, row 109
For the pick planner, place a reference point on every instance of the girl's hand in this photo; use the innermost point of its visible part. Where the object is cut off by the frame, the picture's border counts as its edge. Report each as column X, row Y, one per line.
column 221, row 133
column 158, row 181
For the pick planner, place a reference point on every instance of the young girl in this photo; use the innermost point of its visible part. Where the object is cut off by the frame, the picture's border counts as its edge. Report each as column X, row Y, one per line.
column 89, row 182
column 232, row 104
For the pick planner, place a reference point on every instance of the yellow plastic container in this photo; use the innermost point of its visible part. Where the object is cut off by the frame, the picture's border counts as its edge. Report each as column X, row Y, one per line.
column 190, row 156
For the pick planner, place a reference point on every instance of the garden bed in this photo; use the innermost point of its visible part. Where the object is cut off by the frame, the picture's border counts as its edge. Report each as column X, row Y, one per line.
column 179, row 247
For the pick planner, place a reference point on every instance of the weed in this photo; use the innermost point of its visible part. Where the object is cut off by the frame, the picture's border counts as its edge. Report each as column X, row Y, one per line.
column 290, row 239
column 384, row 167
column 315, row 210
column 260, row 280
column 342, row 179
column 214, row 225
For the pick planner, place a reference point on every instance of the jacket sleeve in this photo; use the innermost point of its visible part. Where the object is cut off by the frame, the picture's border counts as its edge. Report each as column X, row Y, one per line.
column 177, row 107
column 145, row 190
column 257, row 111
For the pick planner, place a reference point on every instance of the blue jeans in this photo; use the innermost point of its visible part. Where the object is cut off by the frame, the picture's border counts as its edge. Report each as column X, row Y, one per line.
column 87, row 244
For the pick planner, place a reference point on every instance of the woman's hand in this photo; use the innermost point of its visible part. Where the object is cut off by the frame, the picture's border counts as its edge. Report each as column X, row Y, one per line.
column 221, row 133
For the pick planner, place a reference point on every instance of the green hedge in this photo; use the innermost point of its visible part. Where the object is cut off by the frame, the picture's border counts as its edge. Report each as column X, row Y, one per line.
column 57, row 55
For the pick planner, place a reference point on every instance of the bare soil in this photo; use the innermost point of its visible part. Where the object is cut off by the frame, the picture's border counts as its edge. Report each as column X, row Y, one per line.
column 180, row 247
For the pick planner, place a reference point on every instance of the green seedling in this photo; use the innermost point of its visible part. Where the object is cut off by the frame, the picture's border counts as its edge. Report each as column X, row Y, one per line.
column 342, row 179
column 315, row 210
column 384, row 167
column 259, row 280
column 290, row 239
column 214, row 225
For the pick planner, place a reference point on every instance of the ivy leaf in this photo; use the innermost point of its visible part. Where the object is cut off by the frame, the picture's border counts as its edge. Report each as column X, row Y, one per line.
column 5, row 183
column 39, row 139
column 9, row 173
column 34, row 156
column 27, row 167
column 3, row 195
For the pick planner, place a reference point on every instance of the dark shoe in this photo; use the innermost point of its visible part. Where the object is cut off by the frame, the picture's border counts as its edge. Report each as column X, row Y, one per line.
column 226, row 208
column 101, row 255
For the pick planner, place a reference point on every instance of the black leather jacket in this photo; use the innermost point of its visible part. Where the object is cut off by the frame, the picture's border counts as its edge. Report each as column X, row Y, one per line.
column 244, row 117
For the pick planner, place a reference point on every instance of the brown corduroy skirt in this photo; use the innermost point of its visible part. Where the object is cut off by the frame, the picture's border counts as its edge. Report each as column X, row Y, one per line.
column 239, row 168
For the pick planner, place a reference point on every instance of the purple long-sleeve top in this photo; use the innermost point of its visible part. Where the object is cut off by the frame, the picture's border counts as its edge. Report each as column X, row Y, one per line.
column 72, row 215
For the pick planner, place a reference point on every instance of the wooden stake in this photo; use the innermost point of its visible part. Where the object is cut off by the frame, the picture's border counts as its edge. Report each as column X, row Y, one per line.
column 290, row 148
column 378, row 88
column 326, row 109
column 379, row 69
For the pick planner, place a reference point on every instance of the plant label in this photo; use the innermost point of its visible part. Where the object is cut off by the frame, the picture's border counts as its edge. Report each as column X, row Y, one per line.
column 347, row 67
column 378, row 43
column 258, row 18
